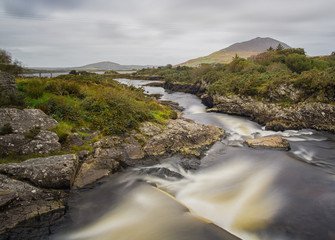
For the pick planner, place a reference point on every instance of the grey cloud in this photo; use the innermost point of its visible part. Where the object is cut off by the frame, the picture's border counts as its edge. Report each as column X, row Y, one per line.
column 37, row 7
column 156, row 32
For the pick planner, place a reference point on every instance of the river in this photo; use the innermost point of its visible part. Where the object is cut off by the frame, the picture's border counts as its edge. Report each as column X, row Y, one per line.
column 252, row 193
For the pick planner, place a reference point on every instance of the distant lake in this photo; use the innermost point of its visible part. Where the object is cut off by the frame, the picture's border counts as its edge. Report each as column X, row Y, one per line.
column 54, row 74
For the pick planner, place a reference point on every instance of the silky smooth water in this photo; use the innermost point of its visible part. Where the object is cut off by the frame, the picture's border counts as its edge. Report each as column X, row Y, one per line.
column 254, row 194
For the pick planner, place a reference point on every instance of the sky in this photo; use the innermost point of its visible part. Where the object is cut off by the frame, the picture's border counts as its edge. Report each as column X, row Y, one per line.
column 68, row 33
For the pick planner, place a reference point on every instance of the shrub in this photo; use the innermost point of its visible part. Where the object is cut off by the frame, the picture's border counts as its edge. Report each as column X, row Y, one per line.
column 35, row 88
column 298, row 63
column 63, row 109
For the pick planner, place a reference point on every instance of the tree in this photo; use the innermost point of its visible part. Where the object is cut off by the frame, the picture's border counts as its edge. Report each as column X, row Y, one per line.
column 270, row 49
column 279, row 47
column 333, row 53
column 8, row 65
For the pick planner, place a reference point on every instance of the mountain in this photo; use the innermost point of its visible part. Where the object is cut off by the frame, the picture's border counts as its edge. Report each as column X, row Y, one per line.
column 242, row 49
column 99, row 66
column 111, row 66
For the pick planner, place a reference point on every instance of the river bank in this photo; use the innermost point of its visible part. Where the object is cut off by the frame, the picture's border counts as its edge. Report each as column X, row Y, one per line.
column 275, row 116
column 34, row 193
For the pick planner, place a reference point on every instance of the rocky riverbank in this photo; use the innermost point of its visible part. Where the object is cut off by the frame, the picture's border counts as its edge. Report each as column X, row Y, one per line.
column 274, row 116
column 34, row 193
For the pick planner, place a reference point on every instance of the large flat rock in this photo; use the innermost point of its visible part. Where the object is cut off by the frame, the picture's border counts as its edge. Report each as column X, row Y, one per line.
column 50, row 172
column 22, row 121
column 273, row 142
column 182, row 136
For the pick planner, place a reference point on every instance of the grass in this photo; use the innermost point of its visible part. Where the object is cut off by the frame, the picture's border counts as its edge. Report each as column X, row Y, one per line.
column 91, row 101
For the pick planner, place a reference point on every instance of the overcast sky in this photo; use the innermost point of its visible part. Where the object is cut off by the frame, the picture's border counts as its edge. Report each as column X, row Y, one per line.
column 54, row 33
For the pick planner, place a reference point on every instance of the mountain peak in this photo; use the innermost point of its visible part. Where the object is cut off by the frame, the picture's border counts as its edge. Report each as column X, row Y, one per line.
column 243, row 49
column 257, row 44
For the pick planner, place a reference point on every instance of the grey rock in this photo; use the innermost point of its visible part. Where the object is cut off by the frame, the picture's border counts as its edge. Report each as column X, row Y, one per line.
column 44, row 142
column 149, row 129
column 104, row 162
column 76, row 139
column 133, row 151
column 273, row 142
column 50, row 172
column 160, row 172
column 83, row 154
column 13, row 190
column 183, row 136
column 7, row 84
column 25, row 209
column 22, row 121
column 319, row 116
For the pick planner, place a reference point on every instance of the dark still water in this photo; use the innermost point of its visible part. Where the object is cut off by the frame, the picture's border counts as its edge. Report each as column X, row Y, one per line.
column 254, row 194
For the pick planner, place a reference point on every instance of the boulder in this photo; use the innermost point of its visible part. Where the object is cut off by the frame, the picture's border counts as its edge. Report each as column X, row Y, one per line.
column 7, row 84
column 27, row 132
column 182, row 136
column 26, row 209
column 273, row 142
column 104, row 162
column 13, row 190
column 44, row 142
column 22, row 121
column 50, row 172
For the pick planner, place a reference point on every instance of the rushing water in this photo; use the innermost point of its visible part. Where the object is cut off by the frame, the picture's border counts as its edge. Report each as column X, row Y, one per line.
column 254, row 194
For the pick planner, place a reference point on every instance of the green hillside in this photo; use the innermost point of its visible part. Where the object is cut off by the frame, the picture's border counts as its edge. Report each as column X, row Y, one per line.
column 242, row 49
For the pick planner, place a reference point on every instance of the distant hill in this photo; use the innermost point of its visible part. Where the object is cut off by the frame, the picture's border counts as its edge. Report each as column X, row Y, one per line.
column 100, row 66
column 242, row 49
column 112, row 66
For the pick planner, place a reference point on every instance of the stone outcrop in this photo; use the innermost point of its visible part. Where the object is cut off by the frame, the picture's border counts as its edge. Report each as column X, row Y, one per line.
column 319, row 116
column 273, row 142
column 51, row 172
column 143, row 147
column 22, row 121
column 31, row 199
column 103, row 162
column 28, row 132
column 182, row 136
column 315, row 115
column 7, row 84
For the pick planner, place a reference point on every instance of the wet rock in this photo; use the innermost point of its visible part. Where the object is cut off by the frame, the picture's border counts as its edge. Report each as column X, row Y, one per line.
column 7, row 84
column 133, row 151
column 13, row 190
column 172, row 105
column 273, row 142
column 182, row 136
column 160, row 172
column 27, row 212
column 104, row 162
column 319, row 116
column 50, row 172
column 190, row 164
